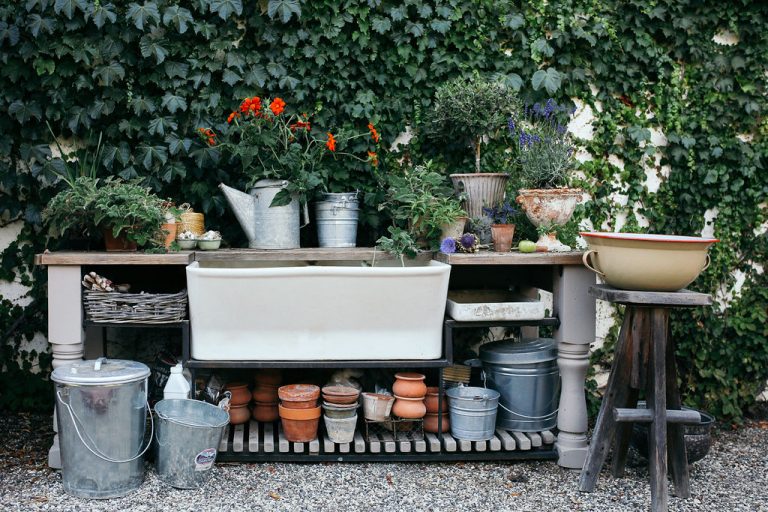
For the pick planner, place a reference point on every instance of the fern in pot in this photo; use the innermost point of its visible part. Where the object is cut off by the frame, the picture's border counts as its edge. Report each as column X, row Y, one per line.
column 545, row 154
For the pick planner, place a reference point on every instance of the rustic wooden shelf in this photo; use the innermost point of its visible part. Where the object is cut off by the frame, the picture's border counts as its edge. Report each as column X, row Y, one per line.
column 113, row 258
column 511, row 258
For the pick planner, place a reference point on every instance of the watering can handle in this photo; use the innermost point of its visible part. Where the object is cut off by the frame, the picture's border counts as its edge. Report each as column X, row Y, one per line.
column 305, row 212
column 97, row 451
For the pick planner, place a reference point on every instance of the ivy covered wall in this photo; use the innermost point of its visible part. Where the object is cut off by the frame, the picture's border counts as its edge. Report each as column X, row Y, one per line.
column 676, row 122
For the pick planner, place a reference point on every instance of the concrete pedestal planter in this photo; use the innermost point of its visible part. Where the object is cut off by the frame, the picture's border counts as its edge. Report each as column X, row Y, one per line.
column 549, row 208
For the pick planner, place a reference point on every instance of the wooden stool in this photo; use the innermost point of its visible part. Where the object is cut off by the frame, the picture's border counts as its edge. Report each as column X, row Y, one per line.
column 644, row 358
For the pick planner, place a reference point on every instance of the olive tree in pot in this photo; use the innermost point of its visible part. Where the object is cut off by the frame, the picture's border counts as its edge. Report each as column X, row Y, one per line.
column 473, row 109
column 545, row 153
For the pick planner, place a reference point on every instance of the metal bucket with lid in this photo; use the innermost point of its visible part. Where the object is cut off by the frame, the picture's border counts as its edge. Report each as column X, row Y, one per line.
column 102, row 409
column 526, row 375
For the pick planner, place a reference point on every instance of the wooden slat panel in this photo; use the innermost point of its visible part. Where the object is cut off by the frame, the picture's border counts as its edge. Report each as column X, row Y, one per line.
column 224, row 440
column 449, row 443
column 480, row 446
column 464, row 445
column 253, row 437
column 283, row 445
column 359, row 442
column 269, row 437
column 432, row 442
column 420, row 446
column 314, row 446
column 344, row 447
column 374, row 444
column 511, row 258
column 328, row 445
column 389, row 442
column 535, row 439
column 404, row 446
column 522, row 441
column 298, row 447
column 114, row 258
column 507, row 441
column 547, row 437
column 495, row 444
column 238, row 438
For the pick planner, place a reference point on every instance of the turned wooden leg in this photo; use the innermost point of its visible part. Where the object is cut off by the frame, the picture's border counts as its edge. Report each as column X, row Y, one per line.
column 656, row 395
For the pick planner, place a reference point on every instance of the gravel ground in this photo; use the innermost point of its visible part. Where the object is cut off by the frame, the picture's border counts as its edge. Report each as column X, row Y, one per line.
column 733, row 477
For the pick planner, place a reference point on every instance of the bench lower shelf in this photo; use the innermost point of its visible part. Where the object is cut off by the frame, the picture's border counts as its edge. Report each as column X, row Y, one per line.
column 255, row 441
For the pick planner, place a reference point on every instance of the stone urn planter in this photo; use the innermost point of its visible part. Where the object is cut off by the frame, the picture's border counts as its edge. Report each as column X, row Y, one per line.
column 547, row 209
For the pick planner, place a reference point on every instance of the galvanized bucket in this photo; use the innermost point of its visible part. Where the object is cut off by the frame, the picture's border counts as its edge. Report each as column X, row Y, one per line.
column 188, row 435
column 337, row 216
column 472, row 412
column 101, row 409
column 526, row 375
column 274, row 227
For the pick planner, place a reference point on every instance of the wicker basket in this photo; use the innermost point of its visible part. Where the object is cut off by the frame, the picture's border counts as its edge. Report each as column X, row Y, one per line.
column 191, row 221
column 140, row 308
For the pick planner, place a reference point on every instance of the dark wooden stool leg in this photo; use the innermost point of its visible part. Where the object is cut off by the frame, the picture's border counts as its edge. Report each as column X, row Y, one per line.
column 657, row 403
column 640, row 337
column 678, row 458
column 618, row 387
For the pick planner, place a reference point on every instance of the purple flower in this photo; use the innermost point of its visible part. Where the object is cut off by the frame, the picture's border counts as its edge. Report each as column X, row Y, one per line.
column 511, row 126
column 448, row 246
column 468, row 240
column 549, row 107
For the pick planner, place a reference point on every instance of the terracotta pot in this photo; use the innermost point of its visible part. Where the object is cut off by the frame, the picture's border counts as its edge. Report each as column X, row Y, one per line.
column 432, row 399
column 239, row 414
column 240, row 393
column 265, row 393
column 269, row 377
column 299, row 396
column 170, row 233
column 502, row 236
column 409, row 408
column 430, row 423
column 409, row 385
column 265, row 412
column 121, row 243
column 300, row 425
column 340, row 394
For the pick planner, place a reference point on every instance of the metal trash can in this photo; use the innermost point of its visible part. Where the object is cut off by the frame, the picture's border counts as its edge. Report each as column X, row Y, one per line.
column 188, row 435
column 102, row 409
column 472, row 412
column 526, row 375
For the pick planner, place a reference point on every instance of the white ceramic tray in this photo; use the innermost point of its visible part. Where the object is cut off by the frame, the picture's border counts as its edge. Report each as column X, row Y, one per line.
column 493, row 305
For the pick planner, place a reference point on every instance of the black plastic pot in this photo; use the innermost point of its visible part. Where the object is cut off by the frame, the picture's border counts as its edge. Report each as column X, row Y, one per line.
column 698, row 438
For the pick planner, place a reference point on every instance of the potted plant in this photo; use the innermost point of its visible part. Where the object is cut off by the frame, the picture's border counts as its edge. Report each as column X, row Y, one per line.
column 545, row 153
column 473, row 109
column 502, row 230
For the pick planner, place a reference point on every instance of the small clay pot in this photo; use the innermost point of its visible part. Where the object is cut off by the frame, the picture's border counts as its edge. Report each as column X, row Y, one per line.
column 409, row 408
column 409, row 385
column 265, row 412
column 300, row 425
column 239, row 414
column 299, row 396
column 336, row 411
column 265, row 393
column 377, row 407
column 502, row 236
column 269, row 377
column 340, row 394
column 432, row 400
column 430, row 422
column 240, row 393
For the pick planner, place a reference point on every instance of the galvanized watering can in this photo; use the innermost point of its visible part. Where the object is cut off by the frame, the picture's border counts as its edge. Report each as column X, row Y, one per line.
column 266, row 227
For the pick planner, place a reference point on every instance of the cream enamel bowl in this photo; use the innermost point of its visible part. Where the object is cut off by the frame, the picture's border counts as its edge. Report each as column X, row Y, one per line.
column 660, row 263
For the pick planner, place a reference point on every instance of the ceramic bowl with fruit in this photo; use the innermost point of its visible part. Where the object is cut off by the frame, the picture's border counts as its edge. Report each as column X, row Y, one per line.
column 186, row 240
column 211, row 240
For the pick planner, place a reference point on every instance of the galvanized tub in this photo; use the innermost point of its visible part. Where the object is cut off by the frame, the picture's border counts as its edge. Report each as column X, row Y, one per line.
column 101, row 409
column 188, row 435
column 336, row 218
column 472, row 412
column 526, row 375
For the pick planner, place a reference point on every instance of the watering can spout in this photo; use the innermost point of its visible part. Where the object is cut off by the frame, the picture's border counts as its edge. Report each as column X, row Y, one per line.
column 242, row 205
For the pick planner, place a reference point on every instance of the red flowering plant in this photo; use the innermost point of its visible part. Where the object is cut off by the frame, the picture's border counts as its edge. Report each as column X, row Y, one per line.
column 269, row 142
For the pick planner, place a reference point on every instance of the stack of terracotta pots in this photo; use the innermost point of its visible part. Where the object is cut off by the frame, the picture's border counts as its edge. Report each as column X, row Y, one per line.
column 409, row 390
column 432, row 404
column 299, row 412
column 238, row 404
column 340, row 404
column 265, row 396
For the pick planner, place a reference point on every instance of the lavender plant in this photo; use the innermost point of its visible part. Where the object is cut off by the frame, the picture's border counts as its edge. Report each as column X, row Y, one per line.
column 503, row 213
column 544, row 148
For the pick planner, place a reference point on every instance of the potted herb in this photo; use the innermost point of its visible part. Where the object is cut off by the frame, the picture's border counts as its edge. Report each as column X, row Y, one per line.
column 473, row 109
column 502, row 229
column 545, row 153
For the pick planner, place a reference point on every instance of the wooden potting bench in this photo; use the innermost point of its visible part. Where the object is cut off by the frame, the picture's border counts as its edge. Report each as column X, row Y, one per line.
column 573, row 320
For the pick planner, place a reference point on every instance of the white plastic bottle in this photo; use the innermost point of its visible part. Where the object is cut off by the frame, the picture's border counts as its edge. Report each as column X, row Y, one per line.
column 177, row 385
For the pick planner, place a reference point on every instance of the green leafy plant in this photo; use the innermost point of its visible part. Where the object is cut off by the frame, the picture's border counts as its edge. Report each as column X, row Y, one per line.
column 85, row 165
column 470, row 108
column 399, row 243
column 545, row 151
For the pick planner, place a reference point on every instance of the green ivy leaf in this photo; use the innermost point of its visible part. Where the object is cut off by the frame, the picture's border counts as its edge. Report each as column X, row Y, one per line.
column 257, row 75
column 149, row 47
column 68, row 7
column 101, row 14
column 440, row 26
column 179, row 17
column 142, row 105
column 176, row 69
column 230, row 77
column 142, row 14
column 9, row 32
column 381, row 25
column 542, row 47
column 288, row 82
column 176, row 144
column 23, row 112
column 172, row 103
column 283, row 9
column 36, row 23
column 158, row 125
column 513, row 21
column 276, row 69
column 415, row 29
column 549, row 79
column 225, row 8
column 148, row 154
column 109, row 74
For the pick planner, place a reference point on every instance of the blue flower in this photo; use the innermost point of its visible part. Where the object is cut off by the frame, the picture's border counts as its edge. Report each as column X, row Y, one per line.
column 511, row 126
column 448, row 246
column 468, row 240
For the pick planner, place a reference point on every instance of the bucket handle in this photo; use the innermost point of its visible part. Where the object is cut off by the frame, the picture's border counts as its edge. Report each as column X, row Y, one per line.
column 485, row 385
column 96, row 452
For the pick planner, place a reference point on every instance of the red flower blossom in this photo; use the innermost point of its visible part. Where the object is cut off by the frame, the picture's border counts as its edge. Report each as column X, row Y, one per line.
column 374, row 158
column 232, row 116
column 251, row 104
column 300, row 124
column 374, row 133
column 207, row 135
column 331, row 142
column 277, row 106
